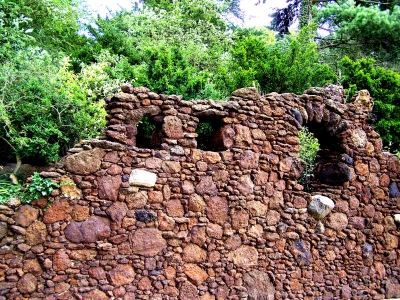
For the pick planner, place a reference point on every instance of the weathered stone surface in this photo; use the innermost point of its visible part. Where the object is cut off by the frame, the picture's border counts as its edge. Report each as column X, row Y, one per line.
column 297, row 167
column 198, row 235
column 211, row 157
column 137, row 200
column 363, row 99
column 256, row 208
column 27, row 284
column 242, row 136
column 359, row 138
column 192, row 253
column 145, row 216
column 174, row 208
column 391, row 241
column 25, row 215
column 320, row 206
column 147, row 241
column 172, row 127
column 165, row 222
column 245, row 185
column 217, row 210
column 3, row 230
column 214, row 231
column 273, row 217
column 240, row 219
column 233, row 242
column 97, row 273
column 188, row 291
column 83, row 255
column 36, row 233
column 85, row 162
column 244, row 257
column 301, row 253
column 249, row 160
column 392, row 289
column 206, row 186
column 61, row 261
column 248, row 93
column 95, row 295
column 195, row 274
column 337, row 221
column 142, row 178
column 69, row 190
column 117, row 211
column 93, row 229
column 187, row 187
column 33, row 266
column 80, row 213
column 121, row 275
column 109, row 187
column 153, row 163
column 171, row 166
column 259, row 285
column 196, row 203
column 58, row 211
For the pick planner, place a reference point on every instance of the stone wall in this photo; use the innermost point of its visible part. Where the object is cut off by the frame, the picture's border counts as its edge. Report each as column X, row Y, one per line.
column 177, row 222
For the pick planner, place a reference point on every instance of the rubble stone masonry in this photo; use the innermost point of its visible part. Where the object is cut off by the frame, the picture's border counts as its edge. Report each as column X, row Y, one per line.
column 228, row 222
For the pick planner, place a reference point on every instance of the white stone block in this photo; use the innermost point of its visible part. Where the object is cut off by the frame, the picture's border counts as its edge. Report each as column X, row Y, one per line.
column 142, row 178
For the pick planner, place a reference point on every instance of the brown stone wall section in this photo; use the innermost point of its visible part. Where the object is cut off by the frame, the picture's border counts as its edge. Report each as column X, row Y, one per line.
column 177, row 222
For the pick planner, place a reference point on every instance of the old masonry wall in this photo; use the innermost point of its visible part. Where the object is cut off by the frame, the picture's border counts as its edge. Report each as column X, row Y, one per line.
column 178, row 222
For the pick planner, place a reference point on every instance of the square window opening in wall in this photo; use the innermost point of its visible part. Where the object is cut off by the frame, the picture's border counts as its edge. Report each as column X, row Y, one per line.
column 148, row 133
column 210, row 134
column 326, row 161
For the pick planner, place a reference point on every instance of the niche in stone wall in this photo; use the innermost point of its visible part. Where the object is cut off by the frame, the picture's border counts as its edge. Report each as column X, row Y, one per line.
column 210, row 131
column 149, row 132
column 332, row 166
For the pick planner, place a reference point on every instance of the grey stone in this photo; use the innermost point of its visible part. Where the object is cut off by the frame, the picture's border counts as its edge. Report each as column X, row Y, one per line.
column 320, row 206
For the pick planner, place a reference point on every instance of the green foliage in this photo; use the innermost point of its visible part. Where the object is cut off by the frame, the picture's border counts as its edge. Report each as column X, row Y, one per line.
column 289, row 65
column 50, row 24
column 205, row 131
column 37, row 188
column 45, row 107
column 309, row 146
column 179, row 49
column 384, row 87
column 8, row 190
column 361, row 31
column 145, row 131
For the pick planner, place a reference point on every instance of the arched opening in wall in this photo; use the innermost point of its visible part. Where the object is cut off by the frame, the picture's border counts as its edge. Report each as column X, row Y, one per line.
column 331, row 166
column 210, row 134
column 148, row 133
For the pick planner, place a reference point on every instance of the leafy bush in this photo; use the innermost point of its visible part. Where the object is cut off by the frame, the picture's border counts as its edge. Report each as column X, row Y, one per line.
column 8, row 189
column 37, row 188
column 384, row 86
column 309, row 147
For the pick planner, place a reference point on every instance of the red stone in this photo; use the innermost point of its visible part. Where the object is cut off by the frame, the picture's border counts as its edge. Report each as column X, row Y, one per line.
column 206, row 186
column 121, row 275
column 25, row 215
column 61, row 261
column 217, row 210
column 58, row 211
column 27, row 284
column 194, row 254
column 109, row 187
column 147, row 241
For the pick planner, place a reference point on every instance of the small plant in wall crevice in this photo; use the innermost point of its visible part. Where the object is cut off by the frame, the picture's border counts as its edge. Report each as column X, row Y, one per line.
column 38, row 187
